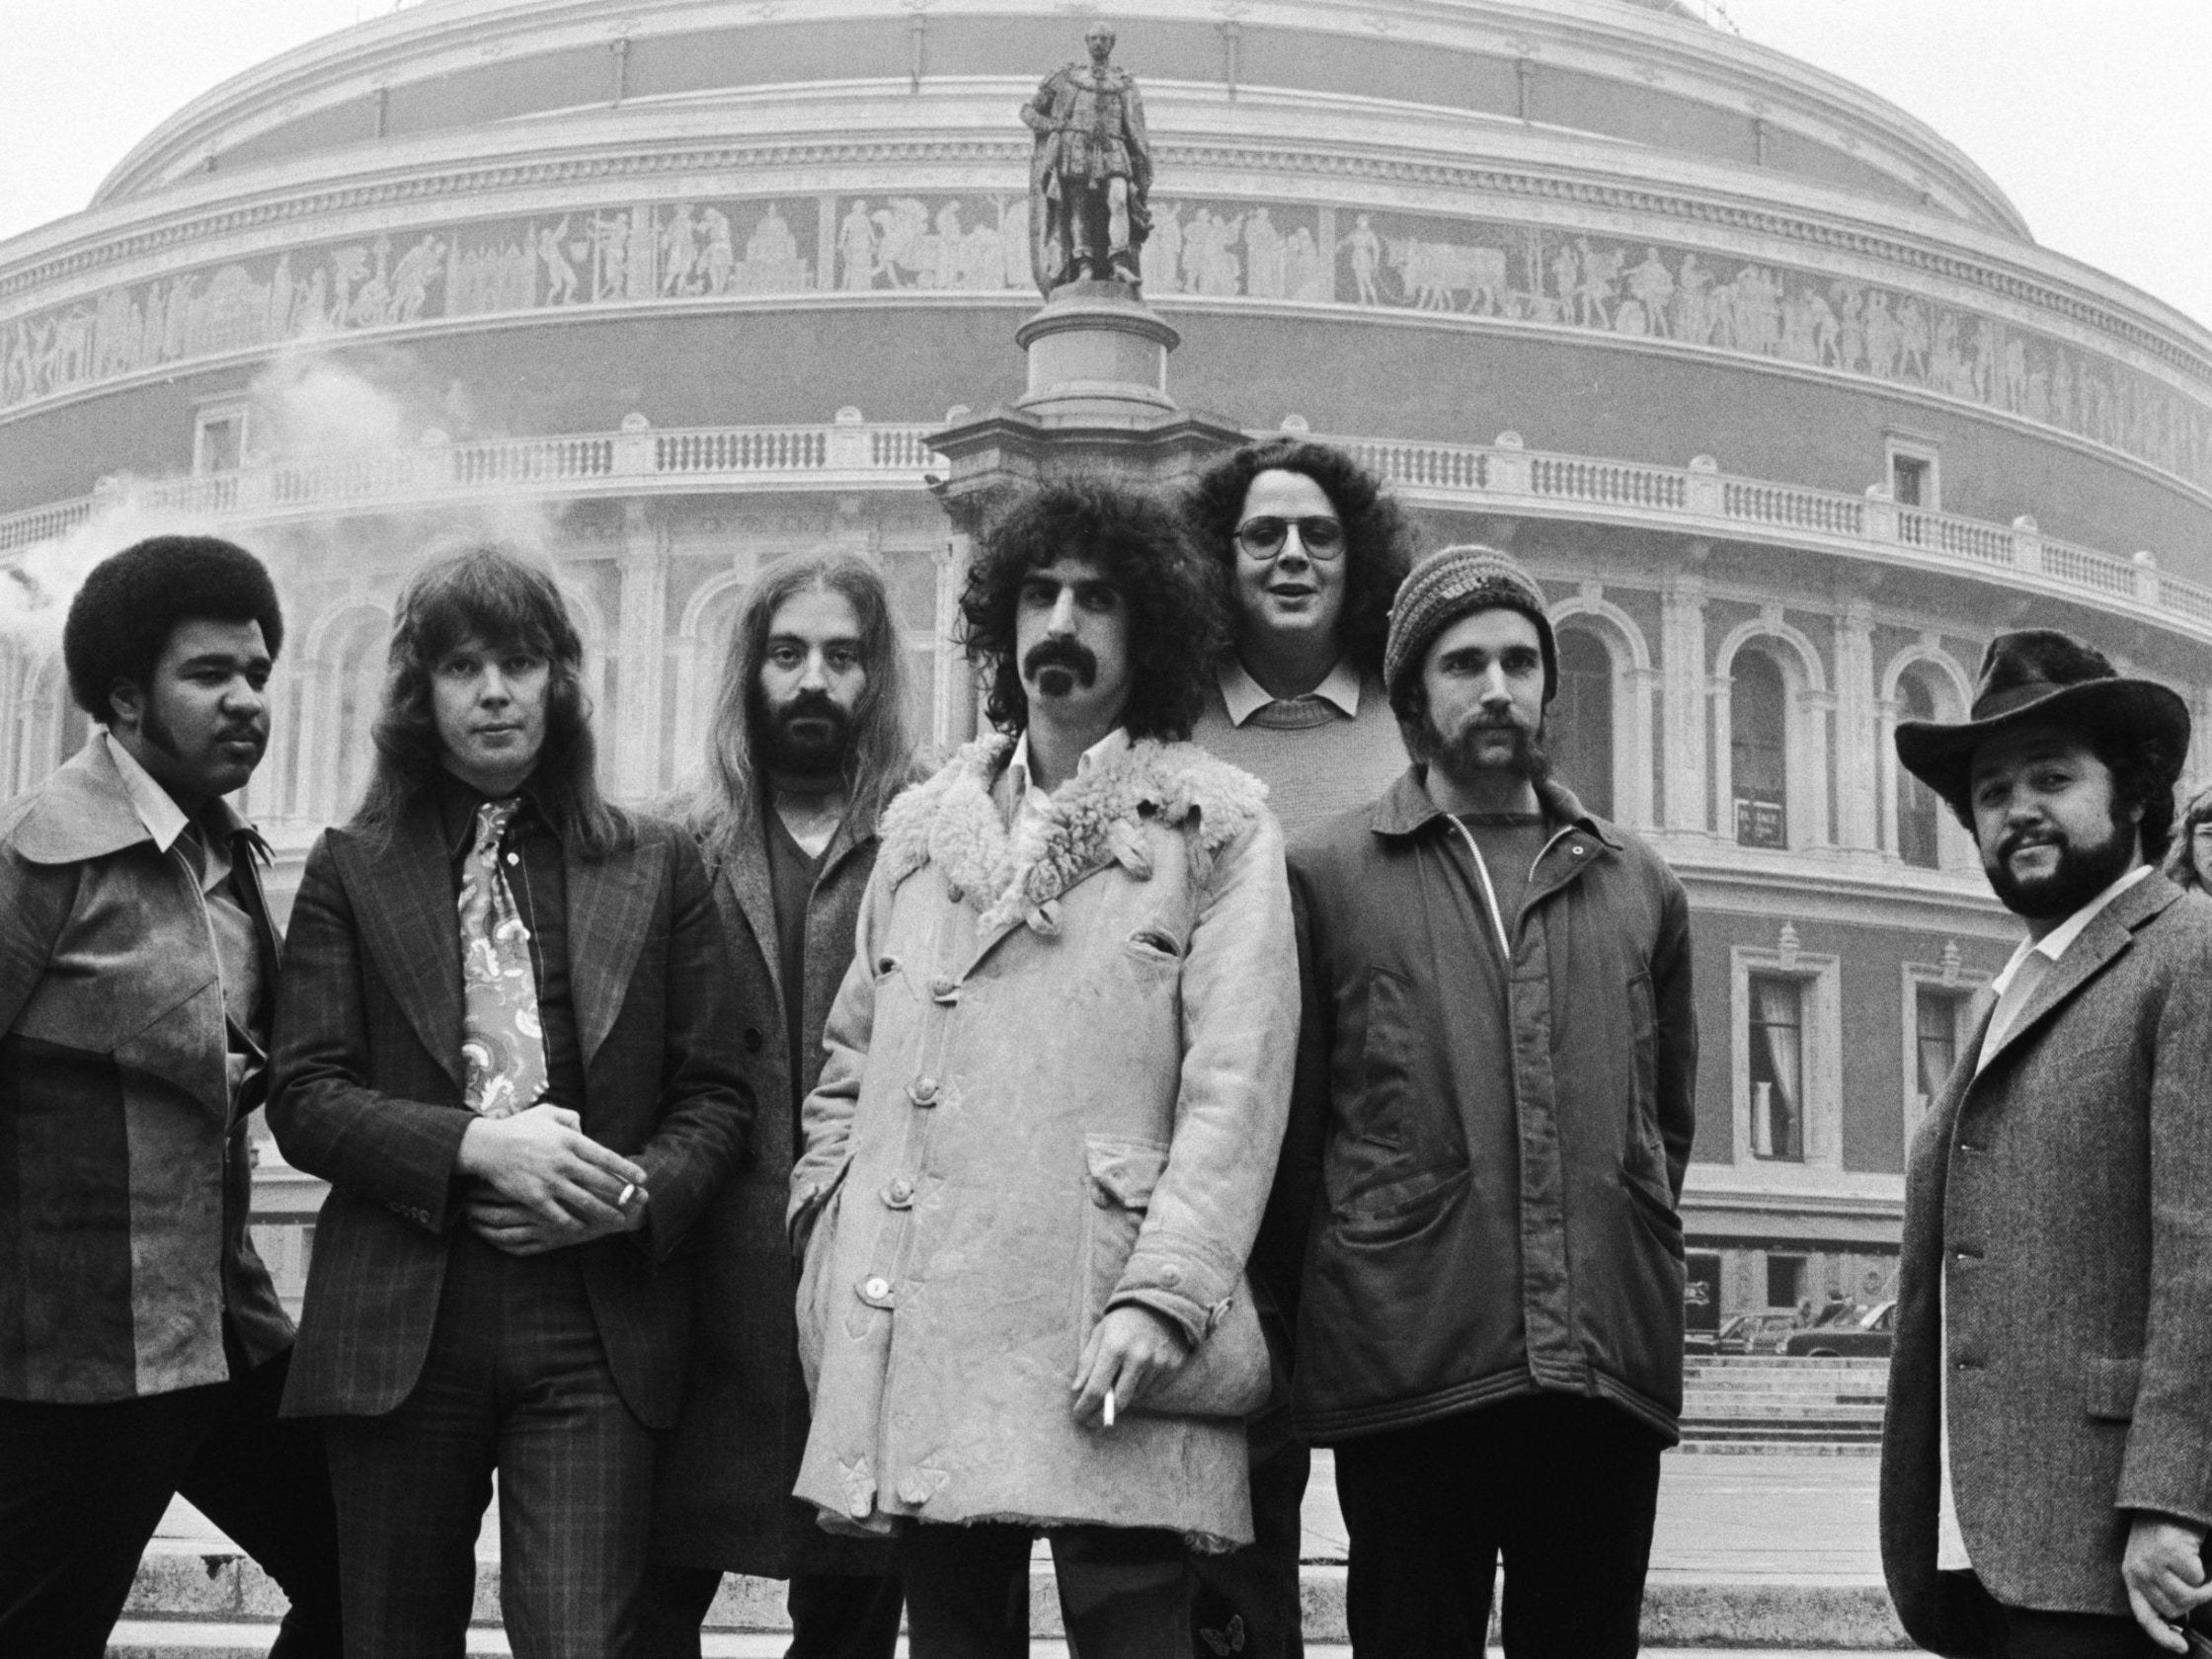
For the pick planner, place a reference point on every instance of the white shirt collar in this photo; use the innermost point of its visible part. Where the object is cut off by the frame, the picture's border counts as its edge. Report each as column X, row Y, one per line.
column 1243, row 697
column 165, row 820
column 1026, row 791
column 2054, row 944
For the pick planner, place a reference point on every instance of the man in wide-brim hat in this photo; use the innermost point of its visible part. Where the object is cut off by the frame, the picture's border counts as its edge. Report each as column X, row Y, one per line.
column 2047, row 1452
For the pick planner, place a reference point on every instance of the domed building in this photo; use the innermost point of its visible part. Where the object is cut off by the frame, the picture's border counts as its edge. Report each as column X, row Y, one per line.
column 1768, row 384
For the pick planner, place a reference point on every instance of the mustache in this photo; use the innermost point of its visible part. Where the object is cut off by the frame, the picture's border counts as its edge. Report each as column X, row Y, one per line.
column 811, row 705
column 2023, row 838
column 1071, row 654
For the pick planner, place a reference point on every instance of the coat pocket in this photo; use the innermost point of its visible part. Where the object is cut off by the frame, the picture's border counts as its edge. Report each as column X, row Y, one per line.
column 1228, row 1375
column 2109, row 1387
column 814, row 1307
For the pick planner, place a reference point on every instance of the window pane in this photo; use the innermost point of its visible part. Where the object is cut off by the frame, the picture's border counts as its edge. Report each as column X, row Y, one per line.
column 1917, row 805
column 1758, row 752
column 1935, row 1022
column 1778, row 1066
column 1785, row 1281
column 1579, row 725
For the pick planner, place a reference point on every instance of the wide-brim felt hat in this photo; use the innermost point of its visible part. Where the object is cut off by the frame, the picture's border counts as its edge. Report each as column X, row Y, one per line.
column 2039, row 677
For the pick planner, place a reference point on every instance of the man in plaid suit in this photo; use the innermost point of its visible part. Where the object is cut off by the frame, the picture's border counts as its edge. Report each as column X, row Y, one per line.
column 142, row 1348
column 507, row 1038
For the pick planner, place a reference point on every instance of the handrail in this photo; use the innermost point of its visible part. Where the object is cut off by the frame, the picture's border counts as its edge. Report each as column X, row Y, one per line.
column 1698, row 499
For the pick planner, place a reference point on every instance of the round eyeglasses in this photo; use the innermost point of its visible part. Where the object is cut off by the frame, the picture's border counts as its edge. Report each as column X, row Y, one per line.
column 1263, row 537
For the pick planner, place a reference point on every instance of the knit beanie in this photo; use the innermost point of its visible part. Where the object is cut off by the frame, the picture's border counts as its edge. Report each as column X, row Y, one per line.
column 1448, row 584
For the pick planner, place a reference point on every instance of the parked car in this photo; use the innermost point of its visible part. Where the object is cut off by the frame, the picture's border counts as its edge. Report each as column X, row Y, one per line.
column 1754, row 1333
column 1870, row 1331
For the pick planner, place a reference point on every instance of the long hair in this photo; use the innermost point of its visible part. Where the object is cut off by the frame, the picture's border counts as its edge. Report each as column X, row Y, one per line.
column 1378, row 538
column 1135, row 542
column 492, row 593
column 723, row 807
column 2180, row 859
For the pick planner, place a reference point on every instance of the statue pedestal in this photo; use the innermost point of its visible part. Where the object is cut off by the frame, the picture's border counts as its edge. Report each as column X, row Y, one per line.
column 1096, row 352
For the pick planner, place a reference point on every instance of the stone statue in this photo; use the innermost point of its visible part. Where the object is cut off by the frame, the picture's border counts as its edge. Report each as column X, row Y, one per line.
column 1091, row 176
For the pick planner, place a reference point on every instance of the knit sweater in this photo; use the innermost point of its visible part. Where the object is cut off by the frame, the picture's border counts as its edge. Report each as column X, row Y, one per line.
column 1316, row 760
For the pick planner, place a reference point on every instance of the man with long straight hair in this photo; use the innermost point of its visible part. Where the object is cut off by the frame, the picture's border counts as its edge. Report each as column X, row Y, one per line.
column 808, row 745
column 1055, row 1079
column 506, row 1039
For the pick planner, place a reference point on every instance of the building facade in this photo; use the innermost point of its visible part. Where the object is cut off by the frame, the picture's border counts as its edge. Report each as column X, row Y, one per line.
column 1768, row 384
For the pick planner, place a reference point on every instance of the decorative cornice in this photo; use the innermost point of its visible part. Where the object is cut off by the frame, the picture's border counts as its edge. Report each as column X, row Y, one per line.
column 1560, row 186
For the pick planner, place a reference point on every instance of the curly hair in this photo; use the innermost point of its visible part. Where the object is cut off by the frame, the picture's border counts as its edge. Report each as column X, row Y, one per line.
column 494, row 595
column 121, row 620
column 723, row 807
column 1135, row 542
column 2181, row 864
column 1378, row 539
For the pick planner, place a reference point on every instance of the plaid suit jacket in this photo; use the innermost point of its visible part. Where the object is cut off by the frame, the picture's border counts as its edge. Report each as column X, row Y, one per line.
column 367, row 1093
column 2062, row 1198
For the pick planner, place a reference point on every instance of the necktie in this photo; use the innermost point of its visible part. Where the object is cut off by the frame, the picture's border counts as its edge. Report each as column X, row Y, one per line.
column 2034, row 967
column 503, row 1047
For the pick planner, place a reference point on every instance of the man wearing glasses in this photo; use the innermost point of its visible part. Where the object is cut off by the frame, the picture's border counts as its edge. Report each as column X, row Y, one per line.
column 1310, row 552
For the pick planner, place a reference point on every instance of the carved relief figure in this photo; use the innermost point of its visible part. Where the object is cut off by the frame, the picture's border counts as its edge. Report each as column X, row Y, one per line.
column 856, row 248
column 1367, row 258
column 560, row 275
column 1091, row 172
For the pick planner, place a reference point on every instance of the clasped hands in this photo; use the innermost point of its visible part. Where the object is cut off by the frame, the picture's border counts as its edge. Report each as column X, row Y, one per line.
column 543, row 1184
column 1129, row 1350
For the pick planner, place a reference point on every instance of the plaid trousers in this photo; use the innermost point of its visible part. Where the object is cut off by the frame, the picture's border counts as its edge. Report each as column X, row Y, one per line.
column 515, row 1380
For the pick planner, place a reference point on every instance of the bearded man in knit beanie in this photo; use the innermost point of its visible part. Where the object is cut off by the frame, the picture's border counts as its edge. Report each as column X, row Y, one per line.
column 1475, row 1233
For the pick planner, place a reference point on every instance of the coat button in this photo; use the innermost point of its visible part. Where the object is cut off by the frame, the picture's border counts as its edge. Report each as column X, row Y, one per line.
column 753, row 1039
column 900, row 1194
column 922, row 1091
column 876, row 1290
column 1578, row 850
column 1171, row 1276
column 943, row 988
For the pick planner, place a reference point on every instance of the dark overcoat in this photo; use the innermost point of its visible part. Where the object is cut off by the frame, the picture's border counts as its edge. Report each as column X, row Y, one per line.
column 724, row 1497
column 2061, row 1199
column 367, row 1094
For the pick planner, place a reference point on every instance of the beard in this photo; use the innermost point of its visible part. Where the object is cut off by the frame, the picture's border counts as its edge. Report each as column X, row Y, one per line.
column 1057, row 665
column 2081, row 873
column 783, row 747
column 1462, row 755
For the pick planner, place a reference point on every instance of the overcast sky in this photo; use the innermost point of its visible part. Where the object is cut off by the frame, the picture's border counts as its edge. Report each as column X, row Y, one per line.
column 2091, row 115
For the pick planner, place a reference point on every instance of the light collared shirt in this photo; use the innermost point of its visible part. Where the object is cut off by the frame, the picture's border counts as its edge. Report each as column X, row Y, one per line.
column 1950, row 1543
column 237, row 949
column 1243, row 697
column 1031, row 802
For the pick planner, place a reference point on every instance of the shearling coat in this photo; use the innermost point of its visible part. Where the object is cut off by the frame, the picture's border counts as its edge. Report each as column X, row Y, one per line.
column 1056, row 1081
column 2062, row 1198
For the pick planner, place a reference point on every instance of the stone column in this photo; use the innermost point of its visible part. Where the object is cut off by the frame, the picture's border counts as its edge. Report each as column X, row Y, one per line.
column 1857, row 762
column 1682, row 700
column 640, row 639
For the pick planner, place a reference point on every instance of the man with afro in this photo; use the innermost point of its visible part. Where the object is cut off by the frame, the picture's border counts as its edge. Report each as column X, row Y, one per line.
column 142, row 1347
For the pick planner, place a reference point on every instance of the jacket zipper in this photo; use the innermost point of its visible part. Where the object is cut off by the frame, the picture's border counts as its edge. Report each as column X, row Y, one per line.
column 1490, row 893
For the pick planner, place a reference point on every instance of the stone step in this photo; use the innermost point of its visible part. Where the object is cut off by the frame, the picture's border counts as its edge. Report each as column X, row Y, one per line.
column 204, row 1604
column 1787, row 1411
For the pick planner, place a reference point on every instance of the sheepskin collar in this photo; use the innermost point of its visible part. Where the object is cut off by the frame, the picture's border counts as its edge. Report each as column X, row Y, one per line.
column 952, row 822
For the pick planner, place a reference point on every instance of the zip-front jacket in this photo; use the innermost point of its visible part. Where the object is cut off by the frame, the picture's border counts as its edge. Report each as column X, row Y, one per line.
column 124, row 1172
column 1477, row 1192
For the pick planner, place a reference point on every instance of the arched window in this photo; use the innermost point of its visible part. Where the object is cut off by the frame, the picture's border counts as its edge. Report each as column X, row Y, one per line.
column 1580, row 723
column 1919, row 812
column 1758, row 754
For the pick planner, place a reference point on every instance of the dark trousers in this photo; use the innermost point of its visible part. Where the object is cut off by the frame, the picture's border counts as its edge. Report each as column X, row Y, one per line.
column 82, row 1488
column 2026, row 1633
column 1124, row 1591
column 833, row 1615
column 1247, row 1602
column 515, row 1380
column 1564, row 1488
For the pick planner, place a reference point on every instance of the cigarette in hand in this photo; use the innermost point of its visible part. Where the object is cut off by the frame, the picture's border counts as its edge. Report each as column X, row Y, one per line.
column 1109, row 1408
column 629, row 1191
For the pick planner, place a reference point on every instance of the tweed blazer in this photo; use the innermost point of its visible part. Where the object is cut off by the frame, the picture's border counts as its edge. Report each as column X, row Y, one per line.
column 125, row 1176
column 723, row 1493
column 2061, row 1200
column 367, row 1094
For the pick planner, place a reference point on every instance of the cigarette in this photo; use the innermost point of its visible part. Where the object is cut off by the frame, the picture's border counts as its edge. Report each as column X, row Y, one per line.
column 629, row 1191
column 1109, row 1408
